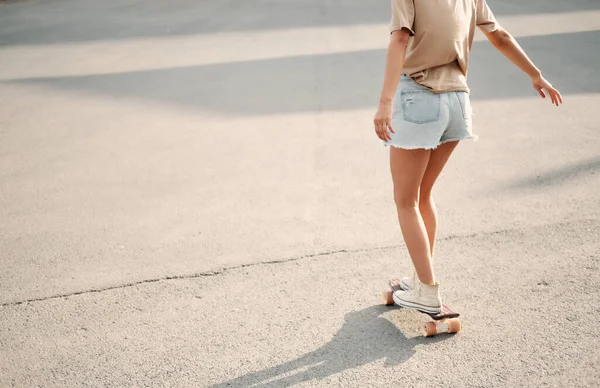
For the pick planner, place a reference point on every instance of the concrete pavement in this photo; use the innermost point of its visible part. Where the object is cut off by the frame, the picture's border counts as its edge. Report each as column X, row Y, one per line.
column 191, row 195
column 526, row 295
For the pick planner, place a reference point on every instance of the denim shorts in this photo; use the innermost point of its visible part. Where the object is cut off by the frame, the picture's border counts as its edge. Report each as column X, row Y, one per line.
column 423, row 119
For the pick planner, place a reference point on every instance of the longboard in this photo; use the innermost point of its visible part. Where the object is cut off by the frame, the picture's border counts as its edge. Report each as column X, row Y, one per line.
column 444, row 322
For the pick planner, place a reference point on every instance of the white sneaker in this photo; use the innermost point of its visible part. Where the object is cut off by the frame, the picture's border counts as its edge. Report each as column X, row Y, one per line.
column 408, row 282
column 423, row 297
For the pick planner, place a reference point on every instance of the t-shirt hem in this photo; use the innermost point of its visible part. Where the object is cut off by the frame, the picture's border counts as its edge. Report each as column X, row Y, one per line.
column 399, row 27
column 452, row 89
column 445, row 89
column 488, row 28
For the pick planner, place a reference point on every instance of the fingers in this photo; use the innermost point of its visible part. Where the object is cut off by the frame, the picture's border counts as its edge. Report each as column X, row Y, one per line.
column 545, row 88
column 388, row 123
column 384, row 133
column 555, row 96
column 386, row 130
column 387, row 133
column 540, row 90
column 552, row 97
column 378, row 130
column 381, row 129
column 558, row 97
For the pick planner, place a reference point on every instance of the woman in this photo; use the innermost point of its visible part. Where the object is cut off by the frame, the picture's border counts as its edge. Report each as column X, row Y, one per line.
column 425, row 112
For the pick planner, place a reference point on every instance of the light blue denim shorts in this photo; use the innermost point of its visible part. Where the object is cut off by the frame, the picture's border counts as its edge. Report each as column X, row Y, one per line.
column 423, row 119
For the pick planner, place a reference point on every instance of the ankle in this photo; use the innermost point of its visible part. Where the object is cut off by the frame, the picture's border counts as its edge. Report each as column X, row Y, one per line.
column 432, row 282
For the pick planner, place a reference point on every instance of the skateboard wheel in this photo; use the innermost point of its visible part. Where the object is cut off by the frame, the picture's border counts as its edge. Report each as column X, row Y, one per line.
column 430, row 329
column 388, row 300
column 453, row 325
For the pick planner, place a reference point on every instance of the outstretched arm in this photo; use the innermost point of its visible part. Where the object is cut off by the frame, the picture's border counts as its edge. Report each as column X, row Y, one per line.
column 393, row 69
column 508, row 46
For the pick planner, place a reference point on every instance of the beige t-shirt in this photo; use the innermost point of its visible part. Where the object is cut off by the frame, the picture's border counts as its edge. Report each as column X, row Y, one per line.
column 437, row 55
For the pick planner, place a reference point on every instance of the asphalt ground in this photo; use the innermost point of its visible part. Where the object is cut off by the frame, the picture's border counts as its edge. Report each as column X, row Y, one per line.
column 191, row 194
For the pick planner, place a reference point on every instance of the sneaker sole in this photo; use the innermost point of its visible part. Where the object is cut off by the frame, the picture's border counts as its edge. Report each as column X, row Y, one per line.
column 420, row 307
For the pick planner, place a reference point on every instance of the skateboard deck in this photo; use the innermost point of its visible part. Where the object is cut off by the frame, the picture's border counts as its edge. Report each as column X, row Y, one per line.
column 446, row 321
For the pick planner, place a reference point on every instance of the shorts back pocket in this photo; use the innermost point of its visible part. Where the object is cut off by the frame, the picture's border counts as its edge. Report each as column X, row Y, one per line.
column 420, row 106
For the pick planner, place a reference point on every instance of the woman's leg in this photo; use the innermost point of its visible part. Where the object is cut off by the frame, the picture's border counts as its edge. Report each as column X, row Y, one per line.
column 436, row 163
column 408, row 168
column 414, row 174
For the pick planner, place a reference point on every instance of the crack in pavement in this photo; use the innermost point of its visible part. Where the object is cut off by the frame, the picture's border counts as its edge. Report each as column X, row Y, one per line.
column 214, row 272
column 223, row 270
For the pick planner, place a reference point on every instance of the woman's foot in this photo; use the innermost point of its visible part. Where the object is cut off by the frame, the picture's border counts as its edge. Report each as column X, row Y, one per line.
column 423, row 297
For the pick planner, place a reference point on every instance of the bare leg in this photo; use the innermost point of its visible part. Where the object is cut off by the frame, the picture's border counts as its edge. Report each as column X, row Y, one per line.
column 408, row 168
column 437, row 161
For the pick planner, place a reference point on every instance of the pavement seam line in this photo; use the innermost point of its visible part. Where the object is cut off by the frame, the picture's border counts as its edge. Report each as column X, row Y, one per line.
column 223, row 270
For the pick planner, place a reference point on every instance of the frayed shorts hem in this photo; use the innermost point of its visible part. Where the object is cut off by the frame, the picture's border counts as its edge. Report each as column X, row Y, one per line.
column 429, row 147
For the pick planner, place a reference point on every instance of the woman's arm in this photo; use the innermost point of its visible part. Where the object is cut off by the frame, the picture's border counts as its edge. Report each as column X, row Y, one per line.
column 393, row 69
column 508, row 46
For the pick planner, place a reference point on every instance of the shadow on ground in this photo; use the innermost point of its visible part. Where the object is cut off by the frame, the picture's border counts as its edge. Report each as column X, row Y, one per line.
column 558, row 176
column 342, row 81
column 52, row 22
column 365, row 337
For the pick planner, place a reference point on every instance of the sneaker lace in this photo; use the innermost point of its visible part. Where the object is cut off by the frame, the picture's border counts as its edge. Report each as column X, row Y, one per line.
column 416, row 287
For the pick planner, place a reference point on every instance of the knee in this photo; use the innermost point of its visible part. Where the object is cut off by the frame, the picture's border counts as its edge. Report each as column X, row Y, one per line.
column 424, row 196
column 405, row 200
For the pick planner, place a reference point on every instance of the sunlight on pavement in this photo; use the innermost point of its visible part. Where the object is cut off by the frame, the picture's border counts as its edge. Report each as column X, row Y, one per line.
column 203, row 49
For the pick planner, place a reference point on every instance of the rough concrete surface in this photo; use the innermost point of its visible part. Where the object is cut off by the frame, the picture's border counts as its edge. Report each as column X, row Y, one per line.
column 191, row 194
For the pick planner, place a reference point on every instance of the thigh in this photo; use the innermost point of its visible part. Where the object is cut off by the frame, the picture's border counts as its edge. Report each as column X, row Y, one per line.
column 408, row 168
column 438, row 159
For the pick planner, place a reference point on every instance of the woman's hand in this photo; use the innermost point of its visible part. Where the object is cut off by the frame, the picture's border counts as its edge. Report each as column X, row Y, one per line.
column 383, row 121
column 542, row 85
